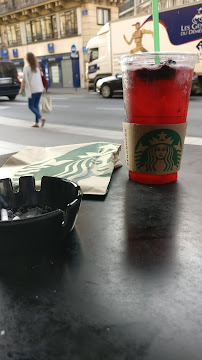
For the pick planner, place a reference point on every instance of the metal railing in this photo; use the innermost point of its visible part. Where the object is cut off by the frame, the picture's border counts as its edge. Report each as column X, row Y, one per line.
column 32, row 39
column 11, row 5
column 15, row 42
column 69, row 33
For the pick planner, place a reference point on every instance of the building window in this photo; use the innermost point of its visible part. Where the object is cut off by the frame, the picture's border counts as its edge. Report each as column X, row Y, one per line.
column 103, row 16
column 126, row 14
column 163, row 5
column 68, row 23
column 41, row 29
column 13, row 35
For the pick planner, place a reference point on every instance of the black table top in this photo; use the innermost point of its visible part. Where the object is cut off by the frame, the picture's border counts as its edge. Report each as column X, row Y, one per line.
column 126, row 286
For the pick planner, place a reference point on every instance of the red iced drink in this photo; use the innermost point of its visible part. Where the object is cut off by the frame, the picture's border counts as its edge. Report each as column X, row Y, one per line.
column 157, row 94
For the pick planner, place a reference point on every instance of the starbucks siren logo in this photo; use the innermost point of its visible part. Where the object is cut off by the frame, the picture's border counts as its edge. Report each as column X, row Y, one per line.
column 159, row 149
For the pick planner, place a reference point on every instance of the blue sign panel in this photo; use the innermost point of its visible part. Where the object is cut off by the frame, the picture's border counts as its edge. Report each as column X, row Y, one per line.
column 51, row 48
column 73, row 49
column 15, row 53
column 92, row 69
column 183, row 25
column 84, row 12
column 84, row 49
column 4, row 54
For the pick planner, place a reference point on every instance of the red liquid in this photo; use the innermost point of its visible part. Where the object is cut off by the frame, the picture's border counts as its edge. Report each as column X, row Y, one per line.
column 157, row 96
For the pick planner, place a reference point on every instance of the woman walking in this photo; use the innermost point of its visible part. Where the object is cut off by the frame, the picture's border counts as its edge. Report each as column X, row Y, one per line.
column 33, row 86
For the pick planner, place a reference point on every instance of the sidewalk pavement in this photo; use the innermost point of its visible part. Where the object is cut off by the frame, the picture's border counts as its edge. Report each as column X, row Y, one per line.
column 74, row 91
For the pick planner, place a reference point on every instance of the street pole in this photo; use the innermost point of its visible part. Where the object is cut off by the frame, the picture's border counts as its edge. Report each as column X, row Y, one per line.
column 74, row 62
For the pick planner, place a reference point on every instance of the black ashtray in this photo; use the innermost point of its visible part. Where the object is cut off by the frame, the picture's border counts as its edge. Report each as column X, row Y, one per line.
column 59, row 200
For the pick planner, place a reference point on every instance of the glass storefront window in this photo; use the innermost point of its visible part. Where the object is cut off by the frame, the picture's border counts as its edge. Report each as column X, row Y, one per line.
column 68, row 23
column 13, row 34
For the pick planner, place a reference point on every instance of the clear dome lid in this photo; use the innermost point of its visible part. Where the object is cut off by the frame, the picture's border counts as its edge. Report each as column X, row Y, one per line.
column 151, row 58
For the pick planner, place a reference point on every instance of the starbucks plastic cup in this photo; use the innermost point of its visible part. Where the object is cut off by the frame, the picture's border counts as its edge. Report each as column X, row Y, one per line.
column 156, row 89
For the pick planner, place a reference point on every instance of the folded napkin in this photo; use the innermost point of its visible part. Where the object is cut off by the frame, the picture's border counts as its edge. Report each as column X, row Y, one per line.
column 90, row 164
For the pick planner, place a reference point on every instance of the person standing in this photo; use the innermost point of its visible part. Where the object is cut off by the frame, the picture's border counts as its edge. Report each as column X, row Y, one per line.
column 33, row 87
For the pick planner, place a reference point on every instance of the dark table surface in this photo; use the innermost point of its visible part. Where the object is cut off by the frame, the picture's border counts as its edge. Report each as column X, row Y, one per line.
column 127, row 285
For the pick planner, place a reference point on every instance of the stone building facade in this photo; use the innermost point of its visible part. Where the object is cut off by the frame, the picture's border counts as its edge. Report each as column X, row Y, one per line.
column 56, row 31
column 142, row 7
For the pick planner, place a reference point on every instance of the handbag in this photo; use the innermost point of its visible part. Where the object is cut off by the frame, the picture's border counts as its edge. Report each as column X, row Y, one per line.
column 45, row 105
column 44, row 81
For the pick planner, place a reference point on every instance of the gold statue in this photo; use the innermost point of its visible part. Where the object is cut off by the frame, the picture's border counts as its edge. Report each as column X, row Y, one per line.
column 137, row 37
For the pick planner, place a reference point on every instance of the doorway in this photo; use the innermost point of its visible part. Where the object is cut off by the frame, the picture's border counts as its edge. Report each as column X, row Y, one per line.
column 67, row 73
column 55, row 74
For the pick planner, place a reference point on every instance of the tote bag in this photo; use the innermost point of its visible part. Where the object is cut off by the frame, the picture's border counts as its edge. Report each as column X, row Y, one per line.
column 45, row 104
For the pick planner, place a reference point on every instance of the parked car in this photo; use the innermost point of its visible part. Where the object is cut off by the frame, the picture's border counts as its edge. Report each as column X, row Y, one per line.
column 112, row 85
column 20, row 74
column 196, row 85
column 9, row 80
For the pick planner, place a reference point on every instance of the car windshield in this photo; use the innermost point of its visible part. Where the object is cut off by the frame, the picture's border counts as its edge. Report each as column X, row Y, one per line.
column 92, row 54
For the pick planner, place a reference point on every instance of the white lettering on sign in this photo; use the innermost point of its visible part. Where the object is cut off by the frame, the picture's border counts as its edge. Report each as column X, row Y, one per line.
column 195, row 28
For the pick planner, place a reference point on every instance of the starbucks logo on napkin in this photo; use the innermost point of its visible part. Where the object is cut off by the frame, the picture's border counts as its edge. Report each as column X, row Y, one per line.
column 89, row 164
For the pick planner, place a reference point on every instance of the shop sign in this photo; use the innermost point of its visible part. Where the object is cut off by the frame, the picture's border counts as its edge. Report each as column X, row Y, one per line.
column 73, row 50
column 59, row 58
column 4, row 54
column 51, row 48
column 15, row 53
column 66, row 57
column 84, row 12
column 18, row 62
column 74, row 56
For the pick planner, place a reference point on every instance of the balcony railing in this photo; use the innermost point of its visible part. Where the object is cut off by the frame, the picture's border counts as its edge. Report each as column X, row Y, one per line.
column 11, row 5
column 69, row 33
column 14, row 42
column 32, row 39
column 44, row 37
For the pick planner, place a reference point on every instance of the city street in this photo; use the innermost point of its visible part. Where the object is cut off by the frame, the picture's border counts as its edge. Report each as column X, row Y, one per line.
column 76, row 117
